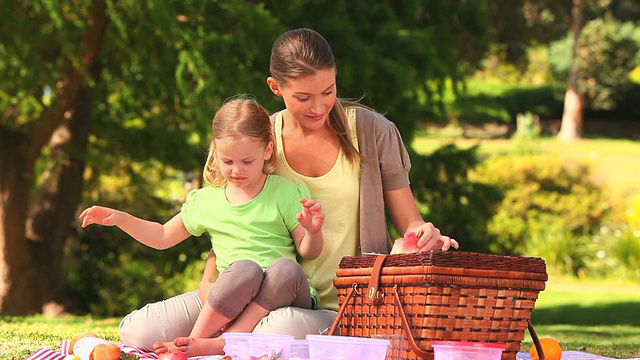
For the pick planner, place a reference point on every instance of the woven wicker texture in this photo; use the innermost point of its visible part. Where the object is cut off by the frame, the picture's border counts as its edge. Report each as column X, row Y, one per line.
column 458, row 296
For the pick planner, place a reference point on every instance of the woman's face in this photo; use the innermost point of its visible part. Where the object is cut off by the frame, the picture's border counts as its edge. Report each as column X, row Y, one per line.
column 308, row 98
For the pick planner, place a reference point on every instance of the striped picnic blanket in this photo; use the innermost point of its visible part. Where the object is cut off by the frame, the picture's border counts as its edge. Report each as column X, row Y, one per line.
column 49, row 354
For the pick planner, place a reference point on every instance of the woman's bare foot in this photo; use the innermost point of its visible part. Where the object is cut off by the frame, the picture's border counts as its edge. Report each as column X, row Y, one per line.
column 191, row 346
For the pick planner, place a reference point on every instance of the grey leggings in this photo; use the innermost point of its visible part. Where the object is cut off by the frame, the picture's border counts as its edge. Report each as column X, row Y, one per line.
column 283, row 283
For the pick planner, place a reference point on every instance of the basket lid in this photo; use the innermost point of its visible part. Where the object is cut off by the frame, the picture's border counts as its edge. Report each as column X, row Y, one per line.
column 450, row 263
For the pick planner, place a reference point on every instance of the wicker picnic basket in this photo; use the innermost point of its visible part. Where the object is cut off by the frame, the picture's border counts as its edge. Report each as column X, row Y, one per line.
column 453, row 296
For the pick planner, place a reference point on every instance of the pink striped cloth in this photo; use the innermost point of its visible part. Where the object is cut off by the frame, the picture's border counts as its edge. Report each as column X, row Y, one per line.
column 50, row 354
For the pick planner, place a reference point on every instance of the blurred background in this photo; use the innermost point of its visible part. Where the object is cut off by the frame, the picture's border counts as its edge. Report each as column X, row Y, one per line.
column 521, row 117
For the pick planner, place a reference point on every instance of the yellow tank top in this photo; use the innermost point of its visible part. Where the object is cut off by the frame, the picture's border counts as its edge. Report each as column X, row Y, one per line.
column 339, row 193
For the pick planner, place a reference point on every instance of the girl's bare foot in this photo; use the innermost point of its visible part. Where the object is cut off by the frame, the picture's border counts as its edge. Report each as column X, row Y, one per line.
column 192, row 346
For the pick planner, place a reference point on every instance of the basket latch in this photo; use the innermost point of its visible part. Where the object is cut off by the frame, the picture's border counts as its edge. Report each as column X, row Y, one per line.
column 374, row 296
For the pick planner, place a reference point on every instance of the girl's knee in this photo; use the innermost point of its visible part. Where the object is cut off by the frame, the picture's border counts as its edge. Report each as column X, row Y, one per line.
column 285, row 267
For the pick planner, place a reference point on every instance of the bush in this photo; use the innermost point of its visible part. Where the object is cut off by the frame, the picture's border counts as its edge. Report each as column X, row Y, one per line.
column 541, row 194
column 619, row 244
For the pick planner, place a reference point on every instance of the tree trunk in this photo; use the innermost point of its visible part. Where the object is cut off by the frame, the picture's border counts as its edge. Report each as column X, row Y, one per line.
column 571, row 127
column 16, row 271
column 19, row 262
column 52, row 211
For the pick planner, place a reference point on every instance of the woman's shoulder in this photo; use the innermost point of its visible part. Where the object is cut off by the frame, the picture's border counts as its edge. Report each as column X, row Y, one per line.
column 370, row 121
column 369, row 116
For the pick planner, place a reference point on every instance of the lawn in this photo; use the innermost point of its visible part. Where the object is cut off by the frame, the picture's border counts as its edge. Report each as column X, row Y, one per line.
column 600, row 317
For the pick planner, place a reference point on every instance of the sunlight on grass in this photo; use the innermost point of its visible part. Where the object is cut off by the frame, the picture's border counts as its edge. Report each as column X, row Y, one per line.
column 615, row 162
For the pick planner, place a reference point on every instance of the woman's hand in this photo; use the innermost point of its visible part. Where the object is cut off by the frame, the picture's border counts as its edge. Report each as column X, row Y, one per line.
column 430, row 238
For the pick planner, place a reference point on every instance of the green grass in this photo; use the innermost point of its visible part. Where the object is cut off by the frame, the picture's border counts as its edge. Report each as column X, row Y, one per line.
column 22, row 336
column 600, row 317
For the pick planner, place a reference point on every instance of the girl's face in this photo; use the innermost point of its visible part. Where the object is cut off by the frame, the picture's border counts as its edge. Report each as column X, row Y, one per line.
column 241, row 160
column 308, row 98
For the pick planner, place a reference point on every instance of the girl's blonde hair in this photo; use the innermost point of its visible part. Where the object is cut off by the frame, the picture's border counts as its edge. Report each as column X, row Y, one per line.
column 301, row 52
column 237, row 117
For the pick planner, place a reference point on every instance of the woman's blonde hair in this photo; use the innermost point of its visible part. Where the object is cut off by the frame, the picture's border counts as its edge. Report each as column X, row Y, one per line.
column 302, row 52
column 237, row 117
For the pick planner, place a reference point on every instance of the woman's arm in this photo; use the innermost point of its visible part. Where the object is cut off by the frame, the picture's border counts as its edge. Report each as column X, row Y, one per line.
column 209, row 276
column 406, row 217
column 150, row 233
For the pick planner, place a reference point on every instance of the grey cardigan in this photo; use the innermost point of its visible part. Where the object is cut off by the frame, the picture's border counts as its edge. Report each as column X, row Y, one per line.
column 385, row 166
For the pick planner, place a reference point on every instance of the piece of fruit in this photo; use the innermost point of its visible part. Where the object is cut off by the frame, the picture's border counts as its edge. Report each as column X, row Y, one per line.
column 406, row 244
column 550, row 347
column 105, row 352
column 81, row 335
column 173, row 355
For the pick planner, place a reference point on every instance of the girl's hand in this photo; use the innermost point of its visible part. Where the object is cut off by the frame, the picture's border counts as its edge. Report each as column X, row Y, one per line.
column 430, row 238
column 311, row 217
column 99, row 215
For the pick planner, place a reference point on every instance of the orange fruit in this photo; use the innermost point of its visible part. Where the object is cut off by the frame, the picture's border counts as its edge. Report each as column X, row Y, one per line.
column 105, row 352
column 550, row 347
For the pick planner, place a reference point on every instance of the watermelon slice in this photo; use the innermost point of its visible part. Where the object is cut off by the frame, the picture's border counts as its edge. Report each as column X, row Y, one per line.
column 406, row 244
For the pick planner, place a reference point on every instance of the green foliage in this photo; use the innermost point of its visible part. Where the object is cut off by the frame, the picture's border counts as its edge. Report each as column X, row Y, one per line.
column 447, row 196
column 619, row 243
column 396, row 54
column 541, row 193
column 485, row 102
column 606, row 55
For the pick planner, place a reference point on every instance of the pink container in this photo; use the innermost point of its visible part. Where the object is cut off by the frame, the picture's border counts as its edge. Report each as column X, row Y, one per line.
column 465, row 350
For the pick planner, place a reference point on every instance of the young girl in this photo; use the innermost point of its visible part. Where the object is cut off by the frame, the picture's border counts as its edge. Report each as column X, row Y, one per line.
column 255, row 222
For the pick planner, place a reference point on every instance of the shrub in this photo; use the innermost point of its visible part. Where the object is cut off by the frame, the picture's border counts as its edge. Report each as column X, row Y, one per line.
column 619, row 243
column 541, row 194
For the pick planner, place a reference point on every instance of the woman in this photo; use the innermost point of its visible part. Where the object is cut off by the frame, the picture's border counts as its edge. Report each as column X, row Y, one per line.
column 353, row 162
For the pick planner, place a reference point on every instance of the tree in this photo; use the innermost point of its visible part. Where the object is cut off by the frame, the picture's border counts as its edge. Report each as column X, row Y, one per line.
column 604, row 51
column 28, row 123
column 98, row 67
column 571, row 127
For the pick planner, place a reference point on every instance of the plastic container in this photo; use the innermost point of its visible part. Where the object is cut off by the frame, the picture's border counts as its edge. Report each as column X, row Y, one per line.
column 333, row 347
column 236, row 345
column 465, row 350
column 269, row 346
column 299, row 350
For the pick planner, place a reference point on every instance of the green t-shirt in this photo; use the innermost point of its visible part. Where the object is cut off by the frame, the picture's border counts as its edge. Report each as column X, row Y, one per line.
column 259, row 230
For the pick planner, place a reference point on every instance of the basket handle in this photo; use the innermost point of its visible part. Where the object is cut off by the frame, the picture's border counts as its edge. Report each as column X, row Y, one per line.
column 336, row 321
column 405, row 322
column 536, row 340
column 407, row 327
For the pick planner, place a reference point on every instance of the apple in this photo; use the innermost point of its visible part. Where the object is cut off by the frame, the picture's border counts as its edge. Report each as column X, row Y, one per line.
column 173, row 355
column 406, row 244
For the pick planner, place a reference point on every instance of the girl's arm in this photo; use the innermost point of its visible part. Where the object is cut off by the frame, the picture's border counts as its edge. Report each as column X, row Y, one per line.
column 308, row 234
column 150, row 233
column 406, row 217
